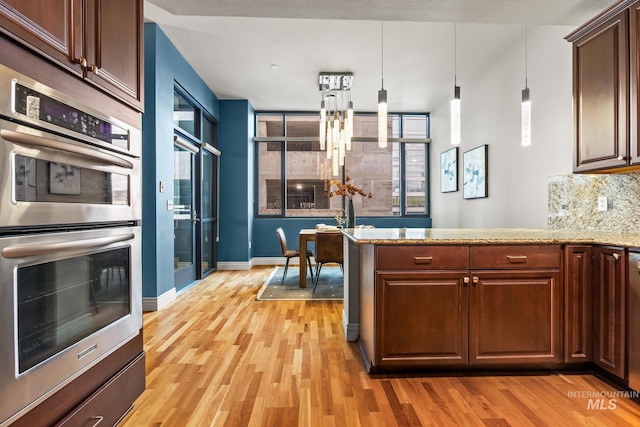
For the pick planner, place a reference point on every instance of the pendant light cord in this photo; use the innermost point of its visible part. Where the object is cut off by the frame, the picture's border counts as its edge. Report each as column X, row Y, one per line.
column 526, row 66
column 455, row 55
column 382, row 50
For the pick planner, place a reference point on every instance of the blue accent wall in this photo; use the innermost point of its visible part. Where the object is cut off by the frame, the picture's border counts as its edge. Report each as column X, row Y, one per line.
column 235, row 141
column 242, row 237
column 164, row 66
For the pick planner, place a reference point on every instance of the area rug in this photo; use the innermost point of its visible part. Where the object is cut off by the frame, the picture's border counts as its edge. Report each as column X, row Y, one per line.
column 330, row 285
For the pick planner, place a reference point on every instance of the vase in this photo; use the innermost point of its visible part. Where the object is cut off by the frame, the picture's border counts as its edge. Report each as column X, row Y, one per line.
column 351, row 214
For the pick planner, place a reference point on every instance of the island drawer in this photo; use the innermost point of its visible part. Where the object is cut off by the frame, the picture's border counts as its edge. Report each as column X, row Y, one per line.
column 514, row 256
column 422, row 257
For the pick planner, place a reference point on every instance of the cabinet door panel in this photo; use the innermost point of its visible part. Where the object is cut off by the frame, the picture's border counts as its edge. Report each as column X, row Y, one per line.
column 609, row 301
column 600, row 79
column 515, row 317
column 578, row 297
column 421, row 318
column 114, row 47
column 52, row 27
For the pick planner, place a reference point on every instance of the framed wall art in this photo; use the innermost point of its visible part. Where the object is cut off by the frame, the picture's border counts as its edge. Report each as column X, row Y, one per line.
column 449, row 170
column 474, row 163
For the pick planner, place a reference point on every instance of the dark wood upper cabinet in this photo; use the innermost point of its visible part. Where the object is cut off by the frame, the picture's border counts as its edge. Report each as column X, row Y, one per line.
column 606, row 90
column 114, row 47
column 100, row 41
column 601, row 96
column 634, row 47
column 52, row 28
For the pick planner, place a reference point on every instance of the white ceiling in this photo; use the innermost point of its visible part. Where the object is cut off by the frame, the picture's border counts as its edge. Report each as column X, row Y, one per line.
column 234, row 45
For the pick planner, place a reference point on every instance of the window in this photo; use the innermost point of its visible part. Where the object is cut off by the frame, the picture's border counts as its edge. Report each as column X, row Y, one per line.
column 292, row 167
column 186, row 115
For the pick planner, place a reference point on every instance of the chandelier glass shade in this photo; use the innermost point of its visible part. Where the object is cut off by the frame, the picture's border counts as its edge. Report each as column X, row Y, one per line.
column 455, row 101
column 336, row 116
column 382, row 97
column 455, row 116
column 526, row 118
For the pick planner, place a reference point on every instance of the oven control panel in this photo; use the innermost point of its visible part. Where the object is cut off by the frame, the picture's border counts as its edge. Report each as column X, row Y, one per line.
column 39, row 106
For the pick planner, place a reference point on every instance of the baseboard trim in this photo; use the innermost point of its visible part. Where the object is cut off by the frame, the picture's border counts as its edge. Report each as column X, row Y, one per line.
column 234, row 265
column 351, row 330
column 158, row 303
column 246, row 265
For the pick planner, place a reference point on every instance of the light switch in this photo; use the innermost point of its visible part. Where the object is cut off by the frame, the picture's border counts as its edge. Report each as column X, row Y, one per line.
column 161, row 187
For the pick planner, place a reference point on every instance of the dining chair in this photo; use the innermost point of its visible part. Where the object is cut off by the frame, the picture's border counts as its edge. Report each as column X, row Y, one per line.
column 328, row 250
column 291, row 253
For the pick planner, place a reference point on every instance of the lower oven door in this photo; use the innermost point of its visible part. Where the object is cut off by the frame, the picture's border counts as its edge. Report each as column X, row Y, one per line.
column 48, row 180
column 67, row 301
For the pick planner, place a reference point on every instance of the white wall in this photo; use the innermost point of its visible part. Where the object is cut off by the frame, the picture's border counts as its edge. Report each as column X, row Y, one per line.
column 517, row 176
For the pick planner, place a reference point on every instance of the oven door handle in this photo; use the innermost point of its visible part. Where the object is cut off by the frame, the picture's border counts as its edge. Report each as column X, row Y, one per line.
column 94, row 153
column 48, row 248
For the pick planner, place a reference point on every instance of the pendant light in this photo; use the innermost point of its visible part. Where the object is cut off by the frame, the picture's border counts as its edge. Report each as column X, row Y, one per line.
column 382, row 100
column 323, row 124
column 349, row 125
column 526, row 103
column 455, row 102
column 336, row 114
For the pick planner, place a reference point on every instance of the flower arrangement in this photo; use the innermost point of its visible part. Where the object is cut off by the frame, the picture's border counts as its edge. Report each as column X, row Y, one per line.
column 347, row 189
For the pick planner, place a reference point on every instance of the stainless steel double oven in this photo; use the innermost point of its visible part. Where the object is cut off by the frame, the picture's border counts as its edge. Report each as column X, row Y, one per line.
column 70, row 240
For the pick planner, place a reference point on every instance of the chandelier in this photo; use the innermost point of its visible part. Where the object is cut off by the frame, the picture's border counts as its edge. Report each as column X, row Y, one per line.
column 336, row 116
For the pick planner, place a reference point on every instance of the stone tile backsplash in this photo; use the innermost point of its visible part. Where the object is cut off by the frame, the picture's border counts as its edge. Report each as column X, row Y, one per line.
column 573, row 202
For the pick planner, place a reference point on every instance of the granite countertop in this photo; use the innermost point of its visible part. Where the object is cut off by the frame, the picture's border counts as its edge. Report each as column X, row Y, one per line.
column 490, row 236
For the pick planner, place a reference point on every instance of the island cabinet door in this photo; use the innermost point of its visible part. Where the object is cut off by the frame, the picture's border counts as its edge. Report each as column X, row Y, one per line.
column 578, row 303
column 609, row 309
column 422, row 318
column 515, row 317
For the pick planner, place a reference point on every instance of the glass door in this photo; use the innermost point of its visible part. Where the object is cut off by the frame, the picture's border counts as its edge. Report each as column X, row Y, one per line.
column 185, row 216
column 209, row 218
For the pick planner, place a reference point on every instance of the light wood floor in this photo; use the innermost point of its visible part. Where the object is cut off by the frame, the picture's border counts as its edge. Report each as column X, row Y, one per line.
column 216, row 356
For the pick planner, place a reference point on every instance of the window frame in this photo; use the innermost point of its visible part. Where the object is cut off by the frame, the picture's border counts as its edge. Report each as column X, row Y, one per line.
column 284, row 139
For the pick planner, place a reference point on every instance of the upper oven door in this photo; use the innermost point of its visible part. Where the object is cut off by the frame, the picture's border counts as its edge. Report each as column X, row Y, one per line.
column 47, row 180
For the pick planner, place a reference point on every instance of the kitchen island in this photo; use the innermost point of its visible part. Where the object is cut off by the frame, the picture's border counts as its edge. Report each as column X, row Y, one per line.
column 421, row 298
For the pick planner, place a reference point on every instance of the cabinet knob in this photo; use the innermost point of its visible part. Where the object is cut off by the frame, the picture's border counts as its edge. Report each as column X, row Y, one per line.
column 94, row 69
column 82, row 61
column 622, row 157
column 616, row 257
column 466, row 281
column 475, row 280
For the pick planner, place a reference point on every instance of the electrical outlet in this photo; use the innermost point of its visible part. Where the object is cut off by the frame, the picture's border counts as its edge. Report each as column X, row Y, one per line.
column 602, row 204
column 169, row 205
